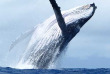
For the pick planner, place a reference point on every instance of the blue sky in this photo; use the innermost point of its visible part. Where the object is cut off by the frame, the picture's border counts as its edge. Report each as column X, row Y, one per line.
column 89, row 49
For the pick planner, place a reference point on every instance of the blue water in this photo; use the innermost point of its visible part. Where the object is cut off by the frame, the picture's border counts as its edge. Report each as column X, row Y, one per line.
column 8, row 70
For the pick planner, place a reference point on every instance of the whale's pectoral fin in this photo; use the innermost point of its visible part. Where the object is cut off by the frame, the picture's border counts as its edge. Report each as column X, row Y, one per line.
column 59, row 17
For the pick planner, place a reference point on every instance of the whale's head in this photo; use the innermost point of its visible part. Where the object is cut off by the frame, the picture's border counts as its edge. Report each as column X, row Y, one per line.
column 78, row 16
column 75, row 18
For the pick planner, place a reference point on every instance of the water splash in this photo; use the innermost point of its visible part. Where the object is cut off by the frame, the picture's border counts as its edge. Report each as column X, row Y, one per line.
column 21, row 38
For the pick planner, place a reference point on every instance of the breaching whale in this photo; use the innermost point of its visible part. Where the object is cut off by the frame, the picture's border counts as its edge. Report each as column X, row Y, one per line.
column 47, row 41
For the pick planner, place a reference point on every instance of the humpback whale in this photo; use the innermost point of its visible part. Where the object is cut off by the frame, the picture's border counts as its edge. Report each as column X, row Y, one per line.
column 48, row 41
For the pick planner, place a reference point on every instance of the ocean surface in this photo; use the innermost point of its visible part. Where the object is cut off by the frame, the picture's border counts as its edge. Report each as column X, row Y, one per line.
column 8, row 70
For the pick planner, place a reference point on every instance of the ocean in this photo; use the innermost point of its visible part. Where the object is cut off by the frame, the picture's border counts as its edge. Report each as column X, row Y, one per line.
column 8, row 70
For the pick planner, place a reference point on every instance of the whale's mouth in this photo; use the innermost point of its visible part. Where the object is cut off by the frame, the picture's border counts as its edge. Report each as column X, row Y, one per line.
column 94, row 8
column 93, row 5
column 89, row 6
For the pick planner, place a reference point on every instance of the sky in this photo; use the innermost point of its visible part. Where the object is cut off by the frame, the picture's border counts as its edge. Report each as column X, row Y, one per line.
column 89, row 49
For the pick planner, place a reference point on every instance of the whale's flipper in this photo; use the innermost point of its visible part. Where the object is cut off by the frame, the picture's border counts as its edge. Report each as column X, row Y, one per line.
column 59, row 17
column 21, row 37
